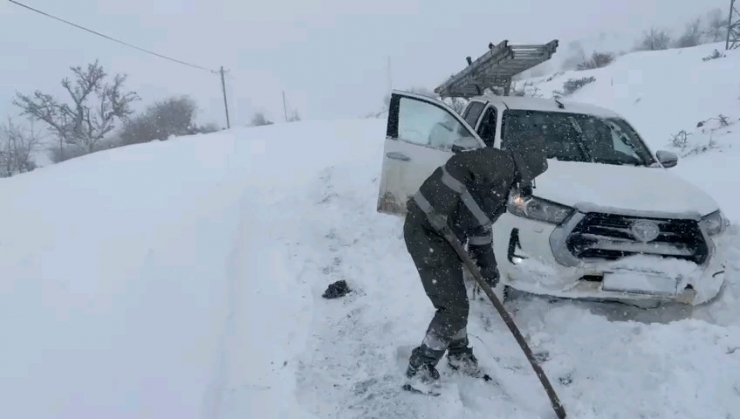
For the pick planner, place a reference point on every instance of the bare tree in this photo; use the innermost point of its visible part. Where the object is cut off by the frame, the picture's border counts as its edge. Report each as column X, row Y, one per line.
column 573, row 85
column 597, row 60
column 172, row 116
column 654, row 40
column 716, row 29
column 138, row 130
column 691, row 35
column 259, row 119
column 16, row 147
column 96, row 106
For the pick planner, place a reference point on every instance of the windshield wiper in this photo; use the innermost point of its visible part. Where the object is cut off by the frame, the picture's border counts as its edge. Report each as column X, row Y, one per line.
column 613, row 126
column 581, row 145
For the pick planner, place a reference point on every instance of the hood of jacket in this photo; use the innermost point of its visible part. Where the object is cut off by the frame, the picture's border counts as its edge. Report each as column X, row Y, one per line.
column 528, row 149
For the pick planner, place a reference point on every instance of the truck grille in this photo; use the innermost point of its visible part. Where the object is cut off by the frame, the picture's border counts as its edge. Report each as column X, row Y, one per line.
column 609, row 237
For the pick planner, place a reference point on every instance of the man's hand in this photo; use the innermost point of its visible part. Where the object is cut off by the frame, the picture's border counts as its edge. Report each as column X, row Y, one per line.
column 490, row 275
column 525, row 192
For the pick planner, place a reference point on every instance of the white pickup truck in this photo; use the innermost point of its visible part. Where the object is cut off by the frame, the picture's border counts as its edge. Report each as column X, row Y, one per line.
column 608, row 220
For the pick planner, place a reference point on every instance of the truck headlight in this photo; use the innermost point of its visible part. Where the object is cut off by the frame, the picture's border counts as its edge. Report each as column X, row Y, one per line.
column 714, row 223
column 538, row 209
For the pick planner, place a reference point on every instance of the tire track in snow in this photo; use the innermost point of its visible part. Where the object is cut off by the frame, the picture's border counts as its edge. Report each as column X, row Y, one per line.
column 264, row 329
column 214, row 395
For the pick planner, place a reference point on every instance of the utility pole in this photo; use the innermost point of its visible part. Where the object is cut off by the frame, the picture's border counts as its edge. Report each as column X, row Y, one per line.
column 226, row 104
column 733, row 28
column 285, row 107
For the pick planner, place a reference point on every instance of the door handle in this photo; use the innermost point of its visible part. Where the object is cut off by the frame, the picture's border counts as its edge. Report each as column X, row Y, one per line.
column 397, row 156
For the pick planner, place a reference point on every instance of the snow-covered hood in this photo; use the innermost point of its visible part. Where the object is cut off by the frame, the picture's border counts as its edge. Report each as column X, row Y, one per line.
column 627, row 188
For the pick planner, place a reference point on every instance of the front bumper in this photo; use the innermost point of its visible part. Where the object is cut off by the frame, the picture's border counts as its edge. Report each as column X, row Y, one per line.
column 532, row 259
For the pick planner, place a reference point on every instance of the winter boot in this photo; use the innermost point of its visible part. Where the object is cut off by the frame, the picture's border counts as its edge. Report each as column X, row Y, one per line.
column 421, row 373
column 462, row 360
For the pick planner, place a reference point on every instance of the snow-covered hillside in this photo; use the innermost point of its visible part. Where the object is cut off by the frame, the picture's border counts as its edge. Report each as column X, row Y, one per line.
column 662, row 93
column 687, row 94
column 184, row 279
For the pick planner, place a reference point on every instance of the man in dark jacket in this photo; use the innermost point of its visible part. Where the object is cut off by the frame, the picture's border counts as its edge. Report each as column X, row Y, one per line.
column 467, row 195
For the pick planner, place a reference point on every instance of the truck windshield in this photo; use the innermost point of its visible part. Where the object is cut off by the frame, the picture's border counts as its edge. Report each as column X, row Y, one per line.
column 580, row 137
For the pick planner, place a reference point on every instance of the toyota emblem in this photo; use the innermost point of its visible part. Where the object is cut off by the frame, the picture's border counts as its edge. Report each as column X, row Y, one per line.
column 645, row 231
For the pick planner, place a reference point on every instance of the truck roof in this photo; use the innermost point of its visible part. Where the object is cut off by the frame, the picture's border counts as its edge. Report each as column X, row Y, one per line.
column 548, row 105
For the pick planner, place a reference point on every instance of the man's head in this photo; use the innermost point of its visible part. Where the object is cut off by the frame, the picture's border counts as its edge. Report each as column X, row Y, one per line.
column 528, row 148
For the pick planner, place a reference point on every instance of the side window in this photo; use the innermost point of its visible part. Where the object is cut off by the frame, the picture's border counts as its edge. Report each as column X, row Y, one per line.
column 473, row 112
column 487, row 128
column 429, row 125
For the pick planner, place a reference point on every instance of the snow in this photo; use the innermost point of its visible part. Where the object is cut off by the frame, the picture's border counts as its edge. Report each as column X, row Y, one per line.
column 586, row 187
column 183, row 279
column 548, row 105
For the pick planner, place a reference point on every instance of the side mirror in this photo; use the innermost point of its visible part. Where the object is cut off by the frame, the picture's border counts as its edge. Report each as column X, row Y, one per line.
column 667, row 158
column 464, row 143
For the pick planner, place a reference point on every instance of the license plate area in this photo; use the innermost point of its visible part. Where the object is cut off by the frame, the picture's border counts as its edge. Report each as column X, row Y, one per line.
column 637, row 282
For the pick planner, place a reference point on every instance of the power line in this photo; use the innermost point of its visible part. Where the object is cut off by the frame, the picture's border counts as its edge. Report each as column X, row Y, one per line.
column 113, row 39
column 221, row 71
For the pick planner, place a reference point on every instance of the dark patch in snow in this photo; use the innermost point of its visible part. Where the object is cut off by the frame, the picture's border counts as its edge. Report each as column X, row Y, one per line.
column 336, row 290
column 566, row 380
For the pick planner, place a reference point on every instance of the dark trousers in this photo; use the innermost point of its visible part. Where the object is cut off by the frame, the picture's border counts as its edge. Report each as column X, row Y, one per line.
column 440, row 270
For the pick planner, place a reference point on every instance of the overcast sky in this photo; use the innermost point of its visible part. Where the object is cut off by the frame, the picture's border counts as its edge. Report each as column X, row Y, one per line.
column 329, row 56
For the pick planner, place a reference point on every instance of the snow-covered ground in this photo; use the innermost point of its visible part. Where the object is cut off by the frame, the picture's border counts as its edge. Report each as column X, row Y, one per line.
column 184, row 279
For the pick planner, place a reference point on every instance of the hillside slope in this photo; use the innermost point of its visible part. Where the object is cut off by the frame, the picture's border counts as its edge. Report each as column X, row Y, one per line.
column 660, row 92
column 184, row 279
column 665, row 93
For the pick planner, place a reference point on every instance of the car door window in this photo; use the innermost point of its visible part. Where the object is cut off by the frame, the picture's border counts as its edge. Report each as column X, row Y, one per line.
column 427, row 124
column 473, row 112
column 487, row 128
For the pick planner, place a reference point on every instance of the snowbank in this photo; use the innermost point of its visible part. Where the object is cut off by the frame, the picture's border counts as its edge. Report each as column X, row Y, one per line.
column 108, row 301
